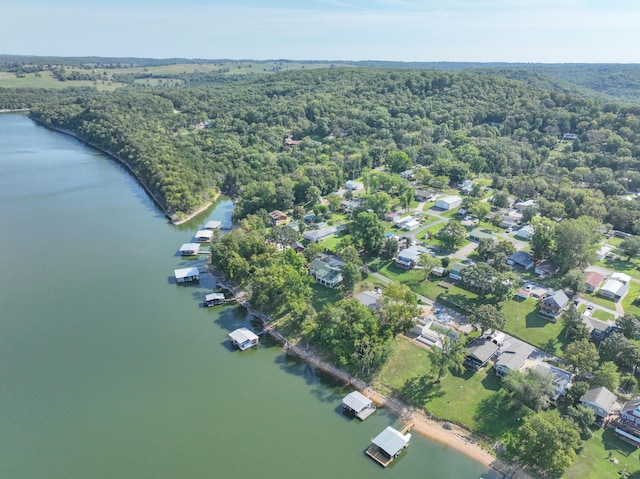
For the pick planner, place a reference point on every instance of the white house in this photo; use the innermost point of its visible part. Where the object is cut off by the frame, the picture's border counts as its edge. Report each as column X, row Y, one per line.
column 410, row 224
column 603, row 252
column 315, row 236
column 524, row 233
column 616, row 286
column 448, row 202
column 243, row 338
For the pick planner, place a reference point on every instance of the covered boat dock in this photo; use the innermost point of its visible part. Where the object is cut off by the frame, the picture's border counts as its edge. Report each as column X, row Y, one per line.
column 359, row 405
column 388, row 445
column 213, row 299
column 186, row 275
column 243, row 338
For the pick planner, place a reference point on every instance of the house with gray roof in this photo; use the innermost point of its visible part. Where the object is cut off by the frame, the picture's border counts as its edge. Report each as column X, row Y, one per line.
column 553, row 304
column 408, row 257
column 315, row 236
column 561, row 379
column 479, row 353
column 521, row 259
column 513, row 358
column 600, row 400
column 325, row 274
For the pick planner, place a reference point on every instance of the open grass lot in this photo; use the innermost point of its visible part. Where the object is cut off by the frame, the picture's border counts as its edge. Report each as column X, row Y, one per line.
column 46, row 80
column 470, row 399
column 593, row 461
column 622, row 266
column 600, row 300
column 524, row 322
column 323, row 296
column 414, row 279
column 631, row 296
column 603, row 315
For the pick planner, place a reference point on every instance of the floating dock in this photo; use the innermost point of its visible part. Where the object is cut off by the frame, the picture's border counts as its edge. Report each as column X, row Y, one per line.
column 243, row 338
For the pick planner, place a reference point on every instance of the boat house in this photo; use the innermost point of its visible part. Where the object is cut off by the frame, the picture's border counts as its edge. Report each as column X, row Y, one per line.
column 213, row 225
column 388, row 445
column 243, row 338
column 358, row 404
column 189, row 249
column 186, row 275
column 213, row 299
column 204, row 236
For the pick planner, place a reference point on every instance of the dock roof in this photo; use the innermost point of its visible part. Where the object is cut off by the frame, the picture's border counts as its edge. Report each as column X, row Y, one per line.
column 242, row 335
column 186, row 272
column 213, row 224
column 214, row 297
column 391, row 441
column 357, row 401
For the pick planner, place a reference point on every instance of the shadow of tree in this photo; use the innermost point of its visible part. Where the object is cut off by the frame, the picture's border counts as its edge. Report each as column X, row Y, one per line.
column 419, row 390
column 497, row 414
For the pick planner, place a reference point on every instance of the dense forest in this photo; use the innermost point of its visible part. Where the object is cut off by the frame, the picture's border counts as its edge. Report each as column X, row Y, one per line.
column 187, row 144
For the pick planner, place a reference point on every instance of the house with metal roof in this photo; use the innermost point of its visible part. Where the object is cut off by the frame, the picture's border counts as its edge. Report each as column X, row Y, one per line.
column 524, row 233
column 600, row 400
column 448, row 202
column 325, row 274
column 358, row 404
column 189, row 249
column 478, row 235
column 243, row 338
column 387, row 445
column 455, row 271
column 185, row 275
column 353, row 185
column 546, row 269
column 408, row 257
column 616, row 287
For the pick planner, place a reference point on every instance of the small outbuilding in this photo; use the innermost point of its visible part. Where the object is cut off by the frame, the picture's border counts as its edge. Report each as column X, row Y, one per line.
column 189, row 249
column 243, row 338
column 388, row 445
column 186, row 275
column 359, row 405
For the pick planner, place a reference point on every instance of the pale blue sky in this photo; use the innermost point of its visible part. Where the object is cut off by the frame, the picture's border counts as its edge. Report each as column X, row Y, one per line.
column 550, row 31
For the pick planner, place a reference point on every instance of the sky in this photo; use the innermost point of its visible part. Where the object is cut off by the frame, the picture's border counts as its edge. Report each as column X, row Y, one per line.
column 532, row 31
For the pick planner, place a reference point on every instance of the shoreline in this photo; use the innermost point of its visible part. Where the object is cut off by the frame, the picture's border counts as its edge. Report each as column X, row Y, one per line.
column 174, row 221
column 456, row 438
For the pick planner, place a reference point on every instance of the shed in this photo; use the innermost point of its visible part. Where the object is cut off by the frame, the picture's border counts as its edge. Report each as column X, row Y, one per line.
column 448, row 202
column 212, row 299
column 278, row 217
column 243, row 338
column 186, row 275
column 600, row 399
column 410, row 224
column 358, row 404
column 203, row 236
column 189, row 249
column 387, row 445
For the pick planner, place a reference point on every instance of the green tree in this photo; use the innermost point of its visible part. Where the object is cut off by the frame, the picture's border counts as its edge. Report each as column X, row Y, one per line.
column 449, row 357
column 480, row 277
column 427, row 263
column 399, row 307
column 390, row 248
column 398, row 161
column 406, row 197
column 629, row 326
column 452, row 234
column 607, row 375
column 350, row 276
column 620, row 350
column 581, row 356
column 547, row 442
column 488, row 316
column 530, row 388
column 334, row 201
column 479, row 209
column 583, row 418
column 543, row 238
column 571, row 319
column 368, row 232
column 631, row 246
column 574, row 280
column 576, row 242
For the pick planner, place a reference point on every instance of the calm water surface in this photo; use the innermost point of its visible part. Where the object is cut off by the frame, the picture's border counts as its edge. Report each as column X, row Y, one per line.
column 108, row 370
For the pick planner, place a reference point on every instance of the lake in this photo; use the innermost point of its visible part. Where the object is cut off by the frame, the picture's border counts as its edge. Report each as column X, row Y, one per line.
column 108, row 369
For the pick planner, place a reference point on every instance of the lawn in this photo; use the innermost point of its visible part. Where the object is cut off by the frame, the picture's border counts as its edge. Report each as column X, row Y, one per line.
column 631, row 296
column 621, row 266
column 524, row 322
column 470, row 399
column 593, row 461
column 600, row 300
column 323, row 296
column 414, row 279
column 602, row 315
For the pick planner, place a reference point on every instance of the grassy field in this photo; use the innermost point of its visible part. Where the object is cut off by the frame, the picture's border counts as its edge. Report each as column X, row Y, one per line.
column 632, row 295
column 471, row 399
column 593, row 461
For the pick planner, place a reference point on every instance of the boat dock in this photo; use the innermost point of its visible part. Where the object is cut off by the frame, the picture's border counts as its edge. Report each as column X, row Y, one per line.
column 388, row 445
column 359, row 405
